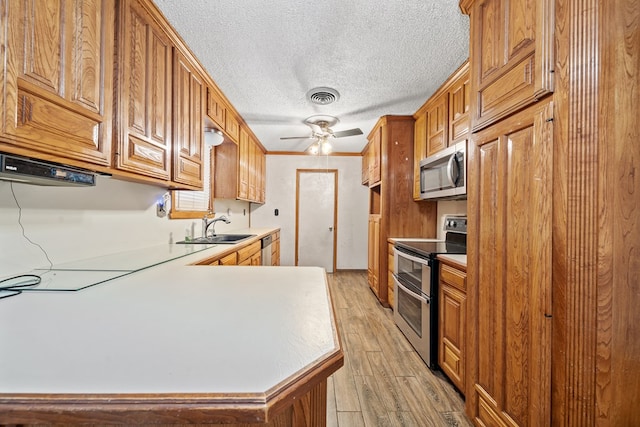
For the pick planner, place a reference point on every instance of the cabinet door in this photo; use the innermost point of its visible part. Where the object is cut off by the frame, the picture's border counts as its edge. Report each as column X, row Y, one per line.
column 215, row 108
column 510, row 268
column 419, row 151
column 57, row 73
column 253, row 167
column 188, row 123
column 243, row 166
column 365, row 165
column 144, row 85
column 459, row 109
column 513, row 59
column 275, row 252
column 232, row 126
column 437, row 124
column 375, row 153
column 373, row 268
column 390, row 282
column 262, row 171
column 452, row 330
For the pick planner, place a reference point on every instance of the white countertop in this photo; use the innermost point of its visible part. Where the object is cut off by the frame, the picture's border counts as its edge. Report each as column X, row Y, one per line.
column 172, row 328
column 459, row 259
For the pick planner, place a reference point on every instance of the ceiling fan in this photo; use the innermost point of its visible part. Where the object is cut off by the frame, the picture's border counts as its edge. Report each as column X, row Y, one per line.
column 321, row 131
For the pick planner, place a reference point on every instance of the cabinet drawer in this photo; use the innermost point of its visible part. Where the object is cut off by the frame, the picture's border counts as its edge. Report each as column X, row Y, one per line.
column 230, row 259
column 453, row 276
column 248, row 251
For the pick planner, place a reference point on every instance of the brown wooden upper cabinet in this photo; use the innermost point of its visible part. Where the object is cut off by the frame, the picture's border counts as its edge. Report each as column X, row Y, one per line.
column 143, row 123
column 232, row 126
column 419, row 149
column 189, row 94
column 513, row 56
column 442, row 120
column 57, row 64
column 375, row 157
column 216, row 109
column 437, row 123
column 365, row 165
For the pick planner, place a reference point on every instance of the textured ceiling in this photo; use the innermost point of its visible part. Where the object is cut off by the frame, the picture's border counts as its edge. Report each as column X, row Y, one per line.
column 383, row 57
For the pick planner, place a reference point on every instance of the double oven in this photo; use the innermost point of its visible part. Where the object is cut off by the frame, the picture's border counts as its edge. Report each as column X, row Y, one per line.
column 416, row 286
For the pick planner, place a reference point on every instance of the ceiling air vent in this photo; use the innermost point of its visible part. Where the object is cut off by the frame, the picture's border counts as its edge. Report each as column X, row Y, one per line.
column 323, row 95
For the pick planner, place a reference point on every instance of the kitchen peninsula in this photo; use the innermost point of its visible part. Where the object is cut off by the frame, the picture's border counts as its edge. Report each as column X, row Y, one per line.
column 172, row 344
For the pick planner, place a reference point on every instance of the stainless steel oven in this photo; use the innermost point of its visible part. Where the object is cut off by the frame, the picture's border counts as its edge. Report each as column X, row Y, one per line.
column 416, row 286
column 414, row 301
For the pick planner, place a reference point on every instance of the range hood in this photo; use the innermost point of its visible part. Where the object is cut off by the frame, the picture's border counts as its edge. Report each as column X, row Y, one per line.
column 29, row 171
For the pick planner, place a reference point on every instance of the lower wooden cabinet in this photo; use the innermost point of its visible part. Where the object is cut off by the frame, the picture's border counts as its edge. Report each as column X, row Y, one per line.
column 452, row 323
column 231, row 259
column 373, row 265
column 390, row 282
column 275, row 249
column 251, row 254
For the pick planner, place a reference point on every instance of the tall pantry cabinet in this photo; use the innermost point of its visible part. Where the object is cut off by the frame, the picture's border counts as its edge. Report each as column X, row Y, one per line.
column 392, row 210
column 553, row 277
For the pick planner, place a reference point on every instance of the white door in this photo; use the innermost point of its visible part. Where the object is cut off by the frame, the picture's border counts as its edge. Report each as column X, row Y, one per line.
column 316, row 197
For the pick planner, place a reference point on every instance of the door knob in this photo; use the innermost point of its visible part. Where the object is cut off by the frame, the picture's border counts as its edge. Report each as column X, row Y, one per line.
column 330, row 228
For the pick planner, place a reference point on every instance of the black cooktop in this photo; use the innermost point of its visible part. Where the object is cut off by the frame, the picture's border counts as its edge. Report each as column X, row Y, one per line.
column 432, row 249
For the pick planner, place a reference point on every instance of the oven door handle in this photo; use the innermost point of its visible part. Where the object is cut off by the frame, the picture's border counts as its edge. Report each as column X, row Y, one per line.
column 424, row 300
column 411, row 257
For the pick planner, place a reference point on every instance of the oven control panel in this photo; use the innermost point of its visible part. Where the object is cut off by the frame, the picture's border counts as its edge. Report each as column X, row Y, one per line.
column 455, row 223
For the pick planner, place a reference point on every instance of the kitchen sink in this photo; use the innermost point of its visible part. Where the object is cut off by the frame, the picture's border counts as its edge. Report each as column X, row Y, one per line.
column 223, row 239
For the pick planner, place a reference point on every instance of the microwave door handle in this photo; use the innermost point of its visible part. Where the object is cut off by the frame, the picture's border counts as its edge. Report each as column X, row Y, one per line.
column 424, row 300
column 450, row 163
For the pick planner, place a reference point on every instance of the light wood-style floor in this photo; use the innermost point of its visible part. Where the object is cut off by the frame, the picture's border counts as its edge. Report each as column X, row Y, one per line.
column 383, row 382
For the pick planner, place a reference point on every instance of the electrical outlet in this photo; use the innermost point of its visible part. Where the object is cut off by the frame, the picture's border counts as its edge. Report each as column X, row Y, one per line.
column 161, row 209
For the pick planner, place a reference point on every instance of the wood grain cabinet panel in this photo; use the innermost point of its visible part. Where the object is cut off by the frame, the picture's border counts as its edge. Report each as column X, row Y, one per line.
column 275, row 249
column 188, row 144
column 437, row 124
column 216, row 110
column 419, row 150
column 391, row 269
column 365, row 165
column 374, row 160
column 243, row 165
column 57, row 69
column 373, row 264
column 509, row 259
column 452, row 324
column 459, row 98
column 247, row 253
column 513, row 56
column 232, row 126
column 143, row 93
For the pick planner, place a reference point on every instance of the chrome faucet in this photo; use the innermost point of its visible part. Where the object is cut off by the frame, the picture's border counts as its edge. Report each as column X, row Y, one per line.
column 206, row 223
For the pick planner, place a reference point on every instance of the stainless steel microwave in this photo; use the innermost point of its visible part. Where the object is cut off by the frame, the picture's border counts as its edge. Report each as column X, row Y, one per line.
column 444, row 175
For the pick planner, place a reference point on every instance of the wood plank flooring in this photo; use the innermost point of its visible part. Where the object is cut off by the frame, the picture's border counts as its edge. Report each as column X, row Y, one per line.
column 383, row 382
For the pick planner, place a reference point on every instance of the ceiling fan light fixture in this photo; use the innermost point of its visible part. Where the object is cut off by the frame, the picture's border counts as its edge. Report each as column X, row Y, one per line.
column 325, row 148
column 314, row 149
column 323, row 95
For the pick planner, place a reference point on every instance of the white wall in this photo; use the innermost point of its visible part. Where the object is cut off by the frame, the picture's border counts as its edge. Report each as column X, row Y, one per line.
column 352, row 206
column 77, row 223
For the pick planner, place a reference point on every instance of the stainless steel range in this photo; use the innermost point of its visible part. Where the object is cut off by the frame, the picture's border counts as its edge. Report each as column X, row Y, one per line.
column 416, row 286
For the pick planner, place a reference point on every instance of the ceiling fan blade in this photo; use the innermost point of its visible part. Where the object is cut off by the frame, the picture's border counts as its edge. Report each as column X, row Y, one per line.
column 348, row 132
column 296, row 137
